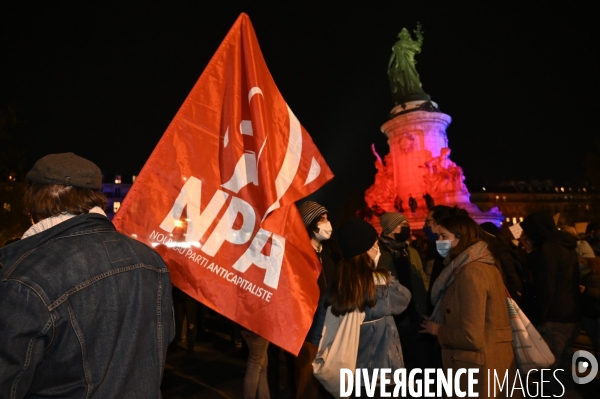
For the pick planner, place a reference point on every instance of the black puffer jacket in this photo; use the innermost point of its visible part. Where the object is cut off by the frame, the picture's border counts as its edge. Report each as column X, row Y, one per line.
column 555, row 271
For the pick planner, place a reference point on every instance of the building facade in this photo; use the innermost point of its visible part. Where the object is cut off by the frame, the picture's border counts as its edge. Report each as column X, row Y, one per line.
column 573, row 204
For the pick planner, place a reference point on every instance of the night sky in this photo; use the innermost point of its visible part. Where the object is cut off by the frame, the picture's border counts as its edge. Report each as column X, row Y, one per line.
column 104, row 81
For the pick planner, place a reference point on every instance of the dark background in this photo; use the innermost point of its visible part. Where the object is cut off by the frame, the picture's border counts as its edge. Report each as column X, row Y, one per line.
column 105, row 79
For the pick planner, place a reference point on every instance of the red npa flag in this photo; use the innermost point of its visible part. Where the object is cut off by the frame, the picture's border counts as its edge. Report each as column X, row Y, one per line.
column 216, row 197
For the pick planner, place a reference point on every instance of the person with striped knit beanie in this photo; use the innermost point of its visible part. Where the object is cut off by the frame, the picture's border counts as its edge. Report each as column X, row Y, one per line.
column 315, row 219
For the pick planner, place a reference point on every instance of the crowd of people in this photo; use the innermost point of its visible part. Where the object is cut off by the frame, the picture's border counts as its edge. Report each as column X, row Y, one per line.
column 437, row 299
column 431, row 298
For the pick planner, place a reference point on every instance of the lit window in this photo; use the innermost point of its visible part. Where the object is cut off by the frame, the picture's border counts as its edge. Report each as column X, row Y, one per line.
column 117, row 179
column 116, row 206
column 504, row 198
column 520, row 219
column 7, row 206
column 514, row 220
column 497, row 197
column 562, row 189
column 508, row 219
column 483, row 188
column 585, row 190
column 133, row 178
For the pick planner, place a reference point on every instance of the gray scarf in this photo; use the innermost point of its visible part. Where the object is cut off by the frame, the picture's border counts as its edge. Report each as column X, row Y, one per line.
column 477, row 252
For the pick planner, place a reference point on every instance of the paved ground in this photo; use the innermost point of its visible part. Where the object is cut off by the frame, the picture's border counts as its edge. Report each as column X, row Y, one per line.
column 216, row 368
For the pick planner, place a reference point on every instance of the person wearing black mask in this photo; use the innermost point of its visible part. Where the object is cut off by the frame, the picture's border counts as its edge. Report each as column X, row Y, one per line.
column 404, row 263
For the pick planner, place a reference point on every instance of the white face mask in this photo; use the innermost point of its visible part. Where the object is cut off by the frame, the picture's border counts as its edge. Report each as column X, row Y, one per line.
column 377, row 256
column 324, row 232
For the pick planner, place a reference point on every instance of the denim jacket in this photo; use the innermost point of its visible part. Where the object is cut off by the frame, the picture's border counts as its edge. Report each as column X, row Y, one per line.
column 379, row 344
column 85, row 312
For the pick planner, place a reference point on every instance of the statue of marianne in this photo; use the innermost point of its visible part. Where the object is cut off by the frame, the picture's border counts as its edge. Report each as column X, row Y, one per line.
column 404, row 78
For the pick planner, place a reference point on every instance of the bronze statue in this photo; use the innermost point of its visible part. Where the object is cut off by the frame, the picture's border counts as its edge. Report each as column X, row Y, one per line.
column 404, row 78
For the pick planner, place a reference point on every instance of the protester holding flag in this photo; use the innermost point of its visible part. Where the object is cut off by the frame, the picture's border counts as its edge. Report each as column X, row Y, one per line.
column 359, row 284
column 315, row 218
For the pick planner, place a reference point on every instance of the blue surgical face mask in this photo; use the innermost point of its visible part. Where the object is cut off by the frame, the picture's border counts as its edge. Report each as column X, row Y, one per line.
column 443, row 247
column 431, row 236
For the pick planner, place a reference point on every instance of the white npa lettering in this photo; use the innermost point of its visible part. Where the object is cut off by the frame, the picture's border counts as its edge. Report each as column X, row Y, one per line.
column 199, row 222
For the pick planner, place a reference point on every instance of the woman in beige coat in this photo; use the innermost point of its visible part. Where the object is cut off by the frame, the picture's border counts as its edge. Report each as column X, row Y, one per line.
column 470, row 317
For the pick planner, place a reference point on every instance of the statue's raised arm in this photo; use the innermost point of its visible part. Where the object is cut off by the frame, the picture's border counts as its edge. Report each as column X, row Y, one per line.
column 404, row 78
column 419, row 34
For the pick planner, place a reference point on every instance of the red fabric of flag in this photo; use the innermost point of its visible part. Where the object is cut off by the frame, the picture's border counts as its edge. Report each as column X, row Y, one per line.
column 216, row 197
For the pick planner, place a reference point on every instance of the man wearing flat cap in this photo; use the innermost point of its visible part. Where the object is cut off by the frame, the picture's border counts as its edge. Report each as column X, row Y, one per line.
column 85, row 312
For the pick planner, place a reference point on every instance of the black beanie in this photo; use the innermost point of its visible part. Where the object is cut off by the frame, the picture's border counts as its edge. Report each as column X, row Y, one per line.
column 355, row 236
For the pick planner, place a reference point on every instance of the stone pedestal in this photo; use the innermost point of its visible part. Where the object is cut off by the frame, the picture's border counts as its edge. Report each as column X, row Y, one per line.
column 419, row 164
